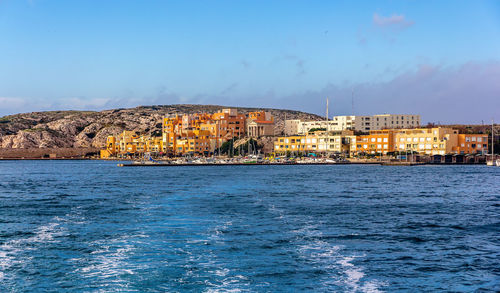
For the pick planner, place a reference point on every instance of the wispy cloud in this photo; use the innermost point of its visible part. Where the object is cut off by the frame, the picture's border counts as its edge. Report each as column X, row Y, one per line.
column 13, row 103
column 299, row 63
column 393, row 21
column 461, row 94
column 245, row 64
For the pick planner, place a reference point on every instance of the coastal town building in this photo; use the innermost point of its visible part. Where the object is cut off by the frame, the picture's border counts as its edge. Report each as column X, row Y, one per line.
column 318, row 142
column 201, row 133
column 260, row 124
column 472, row 143
column 356, row 123
column 130, row 143
column 377, row 142
column 431, row 141
column 192, row 134
column 291, row 127
column 426, row 141
column 205, row 133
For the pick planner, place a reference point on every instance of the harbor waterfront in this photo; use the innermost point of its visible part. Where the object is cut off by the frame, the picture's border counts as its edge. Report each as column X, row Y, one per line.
column 80, row 226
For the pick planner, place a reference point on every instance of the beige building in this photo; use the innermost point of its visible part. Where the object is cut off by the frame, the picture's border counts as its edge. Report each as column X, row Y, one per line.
column 260, row 123
column 320, row 142
column 386, row 121
column 257, row 128
column 292, row 127
column 430, row 141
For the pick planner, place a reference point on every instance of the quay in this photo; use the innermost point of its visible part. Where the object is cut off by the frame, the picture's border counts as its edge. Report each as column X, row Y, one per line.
column 382, row 163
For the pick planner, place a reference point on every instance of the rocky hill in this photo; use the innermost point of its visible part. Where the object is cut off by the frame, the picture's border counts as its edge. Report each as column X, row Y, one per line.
column 87, row 129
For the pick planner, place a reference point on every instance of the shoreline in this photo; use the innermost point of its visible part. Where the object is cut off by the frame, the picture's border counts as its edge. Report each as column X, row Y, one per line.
column 131, row 164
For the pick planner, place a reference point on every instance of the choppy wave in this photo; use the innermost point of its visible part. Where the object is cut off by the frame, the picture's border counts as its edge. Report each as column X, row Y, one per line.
column 91, row 227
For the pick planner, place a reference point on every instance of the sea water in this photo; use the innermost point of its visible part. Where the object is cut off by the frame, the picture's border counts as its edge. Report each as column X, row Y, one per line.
column 84, row 226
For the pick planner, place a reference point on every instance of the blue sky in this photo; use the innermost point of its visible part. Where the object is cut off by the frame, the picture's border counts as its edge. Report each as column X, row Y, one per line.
column 440, row 59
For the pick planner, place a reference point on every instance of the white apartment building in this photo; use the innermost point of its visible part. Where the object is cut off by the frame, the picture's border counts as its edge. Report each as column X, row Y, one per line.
column 357, row 123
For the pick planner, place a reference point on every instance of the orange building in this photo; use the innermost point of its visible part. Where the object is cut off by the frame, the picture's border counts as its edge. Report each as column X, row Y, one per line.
column 471, row 144
column 229, row 124
column 378, row 141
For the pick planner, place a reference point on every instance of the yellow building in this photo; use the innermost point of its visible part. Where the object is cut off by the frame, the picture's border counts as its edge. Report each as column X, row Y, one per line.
column 129, row 143
column 430, row 141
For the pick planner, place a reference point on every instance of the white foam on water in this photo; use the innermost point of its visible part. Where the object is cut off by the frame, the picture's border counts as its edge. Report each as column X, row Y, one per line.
column 222, row 272
column 329, row 257
column 373, row 287
column 222, row 278
column 110, row 262
column 9, row 251
column 230, row 284
column 217, row 232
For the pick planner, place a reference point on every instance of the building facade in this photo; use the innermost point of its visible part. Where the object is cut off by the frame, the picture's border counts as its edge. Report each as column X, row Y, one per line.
column 472, row 144
column 260, row 123
column 192, row 134
column 317, row 142
column 377, row 142
column 356, row 123
column 428, row 141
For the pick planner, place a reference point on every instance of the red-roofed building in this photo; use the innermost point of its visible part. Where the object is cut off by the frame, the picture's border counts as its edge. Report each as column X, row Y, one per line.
column 260, row 124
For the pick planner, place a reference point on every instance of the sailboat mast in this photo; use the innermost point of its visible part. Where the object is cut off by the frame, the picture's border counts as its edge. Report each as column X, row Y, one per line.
column 352, row 102
column 326, row 109
column 327, row 124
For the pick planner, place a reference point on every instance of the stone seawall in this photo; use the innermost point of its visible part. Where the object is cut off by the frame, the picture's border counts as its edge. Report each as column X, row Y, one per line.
column 47, row 153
